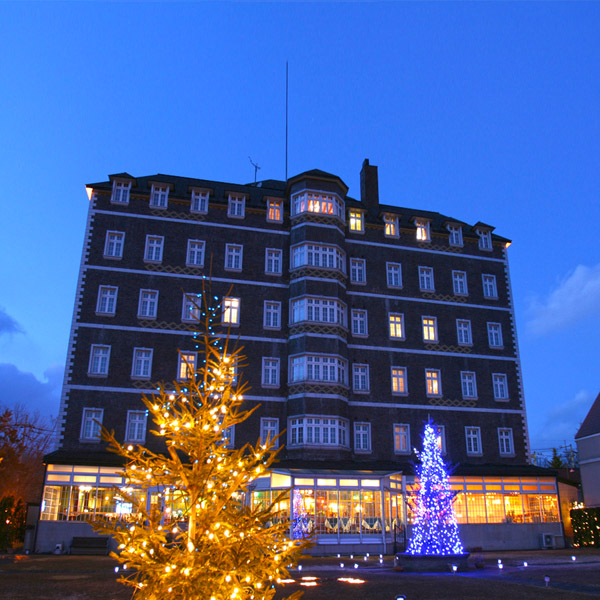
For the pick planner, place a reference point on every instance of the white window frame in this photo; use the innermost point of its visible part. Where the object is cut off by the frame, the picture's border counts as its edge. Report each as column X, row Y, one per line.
column 433, row 383
column 423, row 233
column 440, row 434
column 395, row 322
column 159, row 196
column 317, row 367
column 402, row 438
column 473, row 441
column 135, row 426
column 495, row 335
column 362, row 437
column 317, row 255
column 228, row 437
column 356, row 221
column 270, row 372
column 100, row 354
column 426, row 279
column 360, row 378
column 310, row 309
column 399, row 380
column 506, row 443
column 231, row 311
column 459, row 283
column 195, row 253
column 500, row 386
column 309, row 201
column 269, row 430
column 317, row 430
column 120, row 192
column 464, row 335
column 358, row 271
column 191, row 308
column 391, row 226
column 234, row 257
column 393, row 274
column 142, row 361
column 490, row 289
column 272, row 310
column 455, row 237
column 114, row 244
column 468, row 384
column 236, row 206
column 199, row 202
column 359, row 323
column 91, row 418
column 187, row 363
column 107, row 295
column 429, row 329
column 151, row 302
column 274, row 211
column 485, row 239
column 273, row 261
column 153, row 251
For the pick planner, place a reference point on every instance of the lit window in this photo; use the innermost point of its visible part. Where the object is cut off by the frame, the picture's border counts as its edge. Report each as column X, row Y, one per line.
column 195, row 253
column 191, row 307
column 91, row 424
column 356, row 221
column 489, row 286
column 318, row 255
column 433, row 382
column 186, row 369
column 272, row 315
column 148, row 304
column 396, row 321
column 468, row 384
column 358, row 270
column 359, row 322
column 401, row 438
column 399, row 385
column 236, row 207
column 120, row 192
column 113, row 247
column 318, row 310
column 463, row 332
column 269, row 430
column 394, row 274
column 99, row 357
column 455, row 237
column 426, row 279
column 142, row 363
column 107, row 300
column 429, row 329
column 500, row 382
column 362, row 437
column 317, row 431
column 314, row 202
column 459, row 281
column 275, row 211
column 440, row 434
column 495, row 335
column 154, row 248
column 273, row 261
column 159, row 196
column 390, row 226
column 505, row 441
column 270, row 372
column 360, row 378
column 423, row 230
column 326, row 369
column 233, row 257
column 136, row 426
column 473, row 438
column 231, row 311
column 485, row 239
column 199, row 202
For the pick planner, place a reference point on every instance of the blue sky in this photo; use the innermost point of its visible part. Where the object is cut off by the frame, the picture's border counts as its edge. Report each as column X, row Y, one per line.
column 483, row 111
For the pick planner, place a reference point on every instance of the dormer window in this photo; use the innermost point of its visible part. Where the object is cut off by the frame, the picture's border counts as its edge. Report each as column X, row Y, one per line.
column 390, row 225
column 120, row 192
column 237, row 206
column 455, row 237
column 159, row 196
column 423, row 230
column 356, row 221
column 485, row 239
column 315, row 202
column 275, row 211
column 199, row 202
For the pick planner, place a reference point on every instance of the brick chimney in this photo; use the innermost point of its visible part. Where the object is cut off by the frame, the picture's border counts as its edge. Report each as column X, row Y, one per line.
column 369, row 187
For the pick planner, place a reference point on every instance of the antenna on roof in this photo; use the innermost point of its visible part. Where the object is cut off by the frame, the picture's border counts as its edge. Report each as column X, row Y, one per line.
column 256, row 168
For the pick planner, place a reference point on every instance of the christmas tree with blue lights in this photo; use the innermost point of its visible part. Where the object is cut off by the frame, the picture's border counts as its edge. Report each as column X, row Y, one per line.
column 435, row 530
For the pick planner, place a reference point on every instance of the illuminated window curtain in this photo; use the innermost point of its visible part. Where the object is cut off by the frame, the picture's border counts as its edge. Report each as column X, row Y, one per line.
column 460, row 508
column 550, row 508
column 326, row 512
column 345, row 511
column 495, row 507
column 260, row 500
column 371, row 522
column 476, row 508
column 531, row 507
column 513, row 507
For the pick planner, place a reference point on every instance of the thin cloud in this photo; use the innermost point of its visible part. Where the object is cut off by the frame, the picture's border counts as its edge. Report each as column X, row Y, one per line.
column 8, row 325
column 577, row 297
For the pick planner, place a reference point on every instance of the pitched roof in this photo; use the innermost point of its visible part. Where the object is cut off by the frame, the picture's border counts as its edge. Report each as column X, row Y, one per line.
column 591, row 424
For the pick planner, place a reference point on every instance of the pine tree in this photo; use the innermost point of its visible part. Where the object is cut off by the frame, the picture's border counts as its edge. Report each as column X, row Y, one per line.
column 435, row 530
column 220, row 548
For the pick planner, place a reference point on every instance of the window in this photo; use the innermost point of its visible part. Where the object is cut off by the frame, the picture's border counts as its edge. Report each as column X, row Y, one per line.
column 423, row 230
column 401, row 438
column 272, row 315
column 269, row 430
column 315, row 202
column 318, row 255
column 107, row 300
column 360, row 378
column 473, row 438
column 394, row 274
column 489, row 286
column 113, row 247
column 273, row 261
column 318, row 310
column 275, row 211
column 159, row 196
column 396, row 321
column 459, row 281
column 433, row 382
column 429, row 329
column 359, row 323
column 236, row 207
column 142, row 363
column 233, row 257
column 358, row 270
column 426, row 279
column 455, row 237
column 399, row 385
column 195, row 253
column 356, row 221
column 99, row 357
column 148, row 304
column 120, row 192
column 495, row 335
column 505, row 441
column 317, row 431
column 186, row 368
column 325, row 369
column 231, row 311
column 136, row 426
column 270, row 372
column 485, row 239
column 91, row 423
column 191, row 307
column 199, row 202
column 440, row 432
column 229, row 437
column 362, row 437
column 390, row 227
column 463, row 332
column 468, row 384
column 154, row 248
column 500, row 383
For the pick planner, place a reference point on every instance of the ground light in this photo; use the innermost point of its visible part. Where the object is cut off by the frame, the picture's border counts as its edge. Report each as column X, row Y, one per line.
column 525, row 563
column 400, row 597
column 573, row 558
column 547, row 580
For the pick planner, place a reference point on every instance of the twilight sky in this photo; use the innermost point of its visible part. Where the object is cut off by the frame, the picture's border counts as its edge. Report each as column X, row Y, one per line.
column 481, row 111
